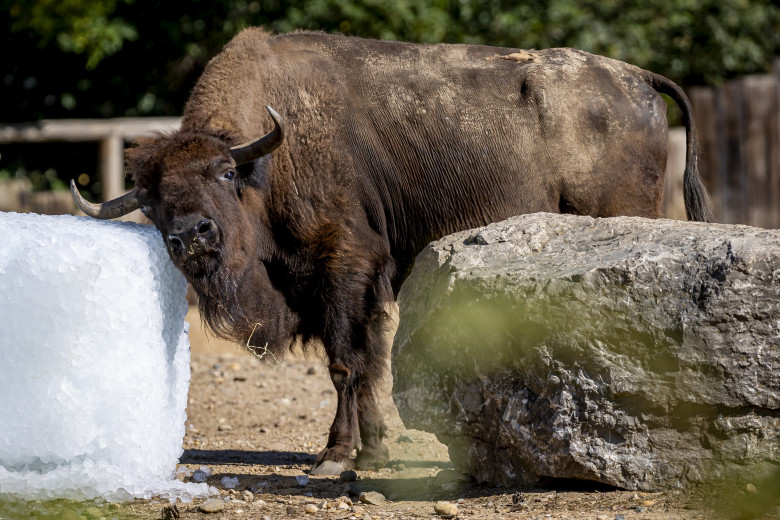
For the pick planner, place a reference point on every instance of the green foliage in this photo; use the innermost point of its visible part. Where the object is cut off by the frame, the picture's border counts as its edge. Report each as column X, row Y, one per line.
column 75, row 25
column 111, row 58
column 123, row 57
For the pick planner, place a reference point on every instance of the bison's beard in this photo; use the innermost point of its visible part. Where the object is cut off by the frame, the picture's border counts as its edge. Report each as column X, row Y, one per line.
column 245, row 307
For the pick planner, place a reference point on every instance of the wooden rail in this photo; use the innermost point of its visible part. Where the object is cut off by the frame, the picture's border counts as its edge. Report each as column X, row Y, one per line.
column 110, row 133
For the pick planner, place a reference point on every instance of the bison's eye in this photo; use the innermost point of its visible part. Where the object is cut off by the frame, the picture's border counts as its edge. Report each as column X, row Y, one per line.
column 229, row 175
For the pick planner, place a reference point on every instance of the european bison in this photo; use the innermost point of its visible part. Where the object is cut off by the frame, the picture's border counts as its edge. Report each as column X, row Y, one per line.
column 308, row 232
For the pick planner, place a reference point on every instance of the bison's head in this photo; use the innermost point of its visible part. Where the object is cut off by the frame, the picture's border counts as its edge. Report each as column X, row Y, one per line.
column 190, row 184
column 206, row 199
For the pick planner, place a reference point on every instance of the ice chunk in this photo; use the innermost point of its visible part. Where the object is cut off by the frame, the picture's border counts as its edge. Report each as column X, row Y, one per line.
column 94, row 360
column 229, row 482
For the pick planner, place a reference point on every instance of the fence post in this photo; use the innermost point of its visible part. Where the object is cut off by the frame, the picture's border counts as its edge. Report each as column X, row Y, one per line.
column 674, row 201
column 705, row 114
column 761, row 141
column 112, row 166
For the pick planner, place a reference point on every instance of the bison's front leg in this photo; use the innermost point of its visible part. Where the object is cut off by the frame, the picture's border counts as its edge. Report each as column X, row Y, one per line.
column 355, row 373
column 337, row 455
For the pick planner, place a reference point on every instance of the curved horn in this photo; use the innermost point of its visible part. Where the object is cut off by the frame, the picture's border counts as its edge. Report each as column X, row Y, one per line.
column 248, row 152
column 111, row 209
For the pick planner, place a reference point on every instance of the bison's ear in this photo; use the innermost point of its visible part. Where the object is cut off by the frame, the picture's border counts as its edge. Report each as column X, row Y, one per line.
column 247, row 153
column 253, row 174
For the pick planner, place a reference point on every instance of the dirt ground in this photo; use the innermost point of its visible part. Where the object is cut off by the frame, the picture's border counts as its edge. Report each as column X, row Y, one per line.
column 264, row 422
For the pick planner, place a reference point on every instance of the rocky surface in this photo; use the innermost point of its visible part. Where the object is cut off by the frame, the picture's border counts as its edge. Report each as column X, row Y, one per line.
column 644, row 354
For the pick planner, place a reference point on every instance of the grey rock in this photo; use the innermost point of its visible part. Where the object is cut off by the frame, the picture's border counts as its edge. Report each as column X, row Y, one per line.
column 348, row 476
column 372, row 497
column 640, row 353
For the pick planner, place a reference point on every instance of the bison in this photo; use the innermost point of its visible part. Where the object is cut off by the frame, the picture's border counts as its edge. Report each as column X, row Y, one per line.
column 307, row 232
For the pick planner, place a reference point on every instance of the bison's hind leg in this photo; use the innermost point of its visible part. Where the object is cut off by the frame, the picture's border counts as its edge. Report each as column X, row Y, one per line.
column 373, row 454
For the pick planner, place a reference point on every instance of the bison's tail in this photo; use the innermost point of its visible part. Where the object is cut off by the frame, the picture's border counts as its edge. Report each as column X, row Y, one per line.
column 697, row 201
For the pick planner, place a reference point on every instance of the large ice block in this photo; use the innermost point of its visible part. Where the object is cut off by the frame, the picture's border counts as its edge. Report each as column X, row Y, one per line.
column 94, row 360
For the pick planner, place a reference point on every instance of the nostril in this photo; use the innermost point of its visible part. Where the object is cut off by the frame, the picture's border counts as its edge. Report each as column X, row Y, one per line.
column 204, row 226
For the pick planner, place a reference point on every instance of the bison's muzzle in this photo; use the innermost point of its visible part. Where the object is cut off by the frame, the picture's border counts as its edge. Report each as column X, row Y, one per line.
column 192, row 238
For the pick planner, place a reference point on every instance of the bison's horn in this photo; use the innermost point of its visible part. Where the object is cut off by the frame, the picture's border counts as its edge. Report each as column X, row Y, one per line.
column 110, row 209
column 245, row 153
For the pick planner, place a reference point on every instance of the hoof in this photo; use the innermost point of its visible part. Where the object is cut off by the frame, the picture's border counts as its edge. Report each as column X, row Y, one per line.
column 331, row 467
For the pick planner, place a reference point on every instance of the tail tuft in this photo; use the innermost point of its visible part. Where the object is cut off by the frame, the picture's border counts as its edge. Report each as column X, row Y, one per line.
column 698, row 206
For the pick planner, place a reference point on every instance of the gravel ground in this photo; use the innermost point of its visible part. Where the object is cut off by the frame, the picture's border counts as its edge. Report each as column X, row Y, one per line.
column 263, row 423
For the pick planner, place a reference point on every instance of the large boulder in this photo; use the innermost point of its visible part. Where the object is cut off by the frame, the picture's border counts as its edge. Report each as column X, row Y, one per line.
column 640, row 353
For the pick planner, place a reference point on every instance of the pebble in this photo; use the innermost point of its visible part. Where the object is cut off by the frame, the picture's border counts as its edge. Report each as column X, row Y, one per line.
column 648, row 503
column 342, row 506
column 602, row 517
column 224, row 427
column 212, row 505
column 348, row 476
column 620, row 517
column 372, row 497
column 247, row 496
column 311, row 509
column 303, row 480
column 445, row 509
column 751, row 488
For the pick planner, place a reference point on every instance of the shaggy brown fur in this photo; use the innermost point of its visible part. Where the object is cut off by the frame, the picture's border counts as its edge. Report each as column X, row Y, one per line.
column 389, row 145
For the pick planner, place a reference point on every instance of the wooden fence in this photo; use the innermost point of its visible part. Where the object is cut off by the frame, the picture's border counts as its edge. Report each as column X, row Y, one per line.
column 739, row 134
column 110, row 133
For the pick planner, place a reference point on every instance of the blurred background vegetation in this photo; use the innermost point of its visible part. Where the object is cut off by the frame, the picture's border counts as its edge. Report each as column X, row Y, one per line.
column 113, row 58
